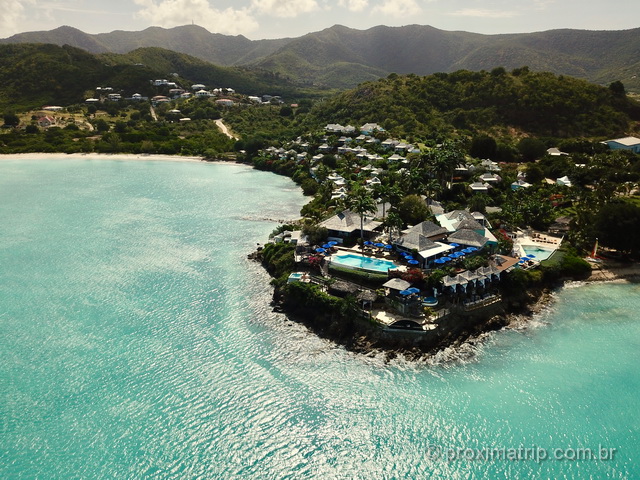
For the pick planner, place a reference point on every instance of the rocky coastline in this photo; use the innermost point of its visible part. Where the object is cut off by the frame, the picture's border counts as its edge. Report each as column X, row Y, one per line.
column 359, row 334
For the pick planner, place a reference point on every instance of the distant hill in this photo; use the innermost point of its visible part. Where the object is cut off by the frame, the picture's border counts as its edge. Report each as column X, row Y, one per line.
column 498, row 103
column 33, row 75
column 193, row 40
column 340, row 57
column 603, row 56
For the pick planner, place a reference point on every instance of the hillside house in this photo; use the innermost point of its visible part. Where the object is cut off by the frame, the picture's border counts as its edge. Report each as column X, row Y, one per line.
column 369, row 128
column 626, row 143
column 45, row 121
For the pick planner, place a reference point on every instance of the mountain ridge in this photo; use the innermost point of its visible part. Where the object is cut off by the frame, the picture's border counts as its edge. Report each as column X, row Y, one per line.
column 342, row 57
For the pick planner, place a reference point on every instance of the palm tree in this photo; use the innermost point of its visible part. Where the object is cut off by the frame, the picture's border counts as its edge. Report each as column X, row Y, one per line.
column 444, row 161
column 393, row 221
column 361, row 202
column 385, row 193
column 432, row 188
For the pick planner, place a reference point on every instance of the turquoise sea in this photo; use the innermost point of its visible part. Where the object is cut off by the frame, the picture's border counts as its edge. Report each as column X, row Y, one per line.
column 136, row 341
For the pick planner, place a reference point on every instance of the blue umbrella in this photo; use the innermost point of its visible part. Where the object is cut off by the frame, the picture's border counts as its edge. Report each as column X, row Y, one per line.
column 522, row 260
column 467, row 250
column 439, row 261
column 531, row 256
column 408, row 257
column 454, row 245
column 388, row 247
column 472, row 249
column 413, row 262
column 445, row 259
column 379, row 245
column 326, row 245
column 413, row 290
column 404, row 292
column 456, row 254
column 320, row 250
column 368, row 242
column 332, row 243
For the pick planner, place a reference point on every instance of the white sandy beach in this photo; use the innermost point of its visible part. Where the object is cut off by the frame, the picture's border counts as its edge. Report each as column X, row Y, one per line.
column 108, row 156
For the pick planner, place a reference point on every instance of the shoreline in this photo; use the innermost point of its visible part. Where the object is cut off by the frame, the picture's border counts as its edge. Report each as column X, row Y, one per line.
column 113, row 156
column 609, row 271
column 614, row 272
column 459, row 343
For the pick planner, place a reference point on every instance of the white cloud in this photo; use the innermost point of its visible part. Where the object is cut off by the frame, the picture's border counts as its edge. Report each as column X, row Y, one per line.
column 542, row 4
column 398, row 8
column 171, row 13
column 483, row 13
column 354, row 5
column 285, row 8
column 13, row 16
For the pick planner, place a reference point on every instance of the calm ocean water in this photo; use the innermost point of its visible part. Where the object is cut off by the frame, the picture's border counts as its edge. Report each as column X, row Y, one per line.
column 136, row 341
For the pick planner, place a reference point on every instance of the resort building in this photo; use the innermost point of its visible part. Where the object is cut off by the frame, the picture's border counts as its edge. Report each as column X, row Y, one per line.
column 468, row 228
column 347, row 224
column 469, row 238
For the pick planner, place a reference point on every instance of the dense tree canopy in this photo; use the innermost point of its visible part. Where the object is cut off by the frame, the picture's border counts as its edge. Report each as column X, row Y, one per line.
column 618, row 226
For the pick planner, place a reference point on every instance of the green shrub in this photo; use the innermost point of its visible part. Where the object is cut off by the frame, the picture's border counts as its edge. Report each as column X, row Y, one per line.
column 575, row 267
column 278, row 258
column 358, row 275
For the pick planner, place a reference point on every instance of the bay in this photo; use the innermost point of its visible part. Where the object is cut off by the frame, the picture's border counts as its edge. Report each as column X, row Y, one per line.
column 136, row 341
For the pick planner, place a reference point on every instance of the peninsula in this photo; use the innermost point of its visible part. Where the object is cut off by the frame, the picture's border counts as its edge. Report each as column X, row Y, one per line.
column 439, row 205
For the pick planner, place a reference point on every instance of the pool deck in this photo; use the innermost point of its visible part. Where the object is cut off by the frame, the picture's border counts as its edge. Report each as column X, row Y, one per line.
column 536, row 239
column 357, row 251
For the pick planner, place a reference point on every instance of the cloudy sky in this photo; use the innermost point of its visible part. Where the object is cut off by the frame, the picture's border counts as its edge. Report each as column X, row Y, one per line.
column 257, row 19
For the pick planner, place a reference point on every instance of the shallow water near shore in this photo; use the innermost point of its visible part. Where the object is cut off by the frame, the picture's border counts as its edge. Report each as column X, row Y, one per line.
column 137, row 341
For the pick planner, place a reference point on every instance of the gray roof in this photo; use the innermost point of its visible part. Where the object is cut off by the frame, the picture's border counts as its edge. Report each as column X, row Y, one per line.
column 459, row 215
column 464, row 278
column 468, row 224
column 397, row 284
column 387, row 208
column 348, row 221
column 414, row 239
column 343, row 287
column 468, row 237
column 429, row 229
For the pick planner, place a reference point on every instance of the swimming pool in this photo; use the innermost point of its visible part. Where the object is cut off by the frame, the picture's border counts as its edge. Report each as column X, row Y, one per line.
column 540, row 253
column 371, row 264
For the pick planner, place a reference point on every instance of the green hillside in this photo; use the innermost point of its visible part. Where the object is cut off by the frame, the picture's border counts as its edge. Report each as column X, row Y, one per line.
column 521, row 102
column 250, row 82
column 33, row 75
